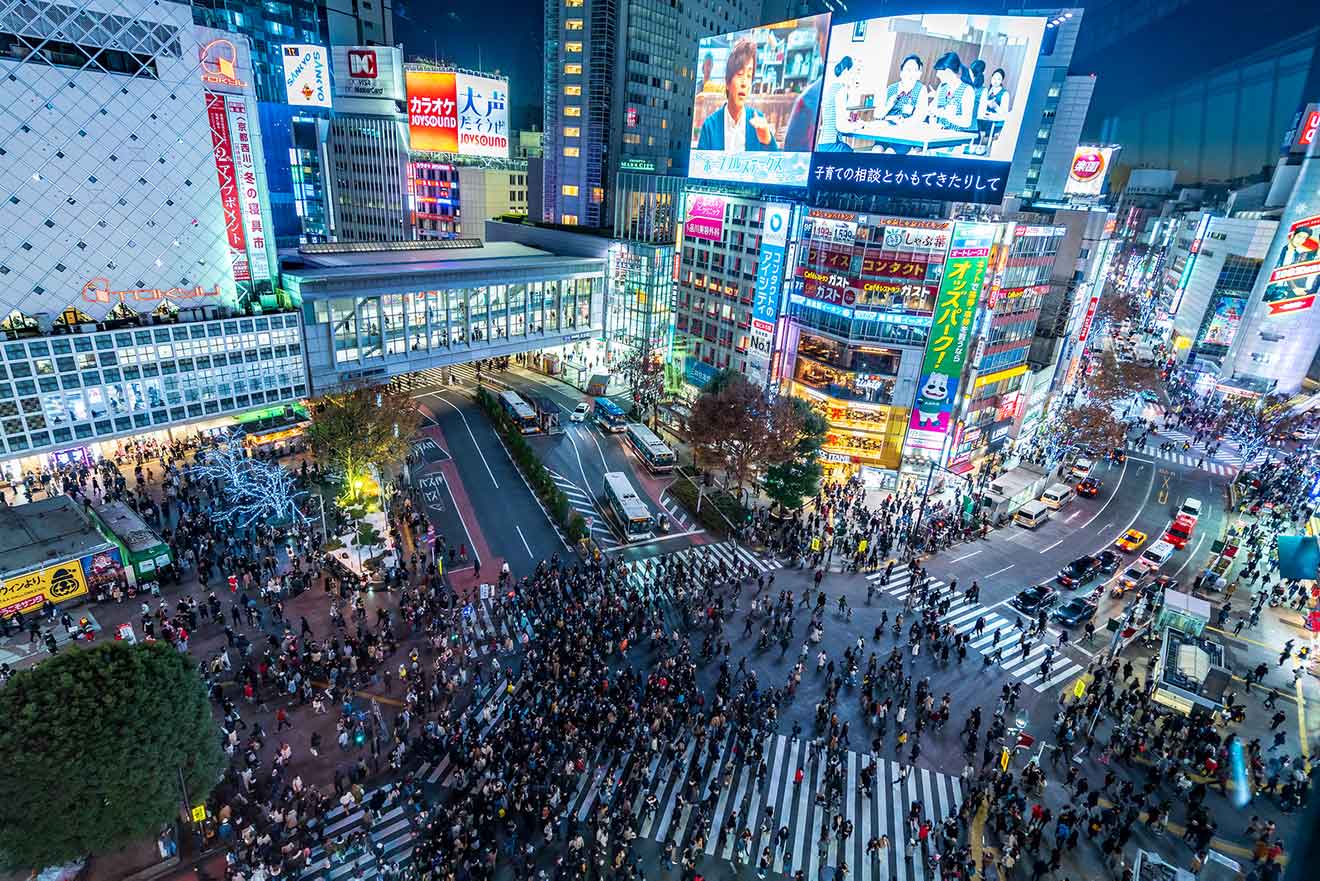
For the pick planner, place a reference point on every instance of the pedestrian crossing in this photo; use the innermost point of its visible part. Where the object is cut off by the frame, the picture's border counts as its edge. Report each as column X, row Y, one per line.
column 729, row 552
column 995, row 633
column 1189, row 459
column 675, row 511
column 756, row 782
column 582, row 503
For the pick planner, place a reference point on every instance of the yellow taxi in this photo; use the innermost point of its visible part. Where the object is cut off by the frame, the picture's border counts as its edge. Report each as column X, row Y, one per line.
column 1131, row 540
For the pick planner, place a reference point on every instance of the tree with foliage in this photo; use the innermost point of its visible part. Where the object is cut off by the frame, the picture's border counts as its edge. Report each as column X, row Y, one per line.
column 734, row 426
column 645, row 374
column 364, row 426
column 793, row 481
column 250, row 489
column 1092, row 425
column 95, row 743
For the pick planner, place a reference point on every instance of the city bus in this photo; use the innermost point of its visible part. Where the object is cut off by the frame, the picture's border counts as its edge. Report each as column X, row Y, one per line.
column 657, row 456
column 625, row 509
column 520, row 412
column 608, row 415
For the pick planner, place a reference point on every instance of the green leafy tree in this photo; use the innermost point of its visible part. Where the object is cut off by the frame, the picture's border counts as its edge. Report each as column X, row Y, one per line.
column 94, row 743
column 793, row 481
column 365, row 426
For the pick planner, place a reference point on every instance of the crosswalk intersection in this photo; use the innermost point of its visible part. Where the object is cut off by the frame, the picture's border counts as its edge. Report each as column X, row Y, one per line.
column 768, row 800
column 998, row 633
column 581, row 502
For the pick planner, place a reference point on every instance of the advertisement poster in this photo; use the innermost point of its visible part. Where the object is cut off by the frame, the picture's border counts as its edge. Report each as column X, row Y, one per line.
column 1224, row 321
column 368, row 72
column 249, row 194
column 1089, row 170
column 925, row 105
column 306, row 75
column 54, row 584
column 950, row 334
column 451, row 112
column 221, row 148
column 705, row 218
column 1295, row 279
column 758, row 95
column 770, row 267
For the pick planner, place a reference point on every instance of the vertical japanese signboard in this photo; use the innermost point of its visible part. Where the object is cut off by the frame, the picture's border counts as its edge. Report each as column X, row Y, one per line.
column 950, row 334
column 222, row 150
column 249, row 194
column 769, row 275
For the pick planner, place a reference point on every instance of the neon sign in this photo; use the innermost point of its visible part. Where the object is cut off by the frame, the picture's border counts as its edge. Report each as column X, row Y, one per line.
column 98, row 290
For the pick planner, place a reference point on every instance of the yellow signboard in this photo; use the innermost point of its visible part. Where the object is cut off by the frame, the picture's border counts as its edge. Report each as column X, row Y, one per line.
column 199, row 813
column 815, row 543
column 54, row 584
column 861, row 546
column 1004, row 756
column 1079, row 688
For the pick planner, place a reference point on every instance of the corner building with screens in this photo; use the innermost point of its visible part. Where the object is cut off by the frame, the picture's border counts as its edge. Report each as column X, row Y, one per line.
column 861, row 301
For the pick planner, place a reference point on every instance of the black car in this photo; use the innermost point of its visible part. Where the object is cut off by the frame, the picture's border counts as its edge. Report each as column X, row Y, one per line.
column 1079, row 571
column 1109, row 561
column 1034, row 599
column 1089, row 487
column 1077, row 610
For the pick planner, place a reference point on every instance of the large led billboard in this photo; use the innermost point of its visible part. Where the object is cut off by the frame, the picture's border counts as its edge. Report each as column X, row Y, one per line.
column 1294, row 280
column 461, row 113
column 1089, row 170
column 757, row 96
column 925, row 105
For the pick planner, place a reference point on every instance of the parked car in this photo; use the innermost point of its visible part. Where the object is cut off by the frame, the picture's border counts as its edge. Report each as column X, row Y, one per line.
column 580, row 412
column 1077, row 610
column 1034, row 599
column 1078, row 572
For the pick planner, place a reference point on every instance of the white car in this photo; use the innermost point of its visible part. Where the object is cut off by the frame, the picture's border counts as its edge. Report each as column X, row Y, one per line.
column 580, row 412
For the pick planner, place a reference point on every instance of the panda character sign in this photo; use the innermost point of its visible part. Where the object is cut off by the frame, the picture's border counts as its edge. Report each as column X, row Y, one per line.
column 933, row 403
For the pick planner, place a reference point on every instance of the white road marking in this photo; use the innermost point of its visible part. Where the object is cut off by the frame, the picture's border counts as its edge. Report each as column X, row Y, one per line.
column 999, row 571
column 964, row 557
column 524, row 541
column 1052, row 547
column 471, row 435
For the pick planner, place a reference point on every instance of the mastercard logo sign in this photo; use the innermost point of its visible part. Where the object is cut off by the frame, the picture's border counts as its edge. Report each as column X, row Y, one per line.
column 1087, row 165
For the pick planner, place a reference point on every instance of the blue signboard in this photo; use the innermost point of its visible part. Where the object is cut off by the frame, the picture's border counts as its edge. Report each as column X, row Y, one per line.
column 770, row 267
column 698, row 372
column 898, row 174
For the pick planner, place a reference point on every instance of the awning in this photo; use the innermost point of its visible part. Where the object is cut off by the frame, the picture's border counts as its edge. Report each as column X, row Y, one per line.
column 1299, row 556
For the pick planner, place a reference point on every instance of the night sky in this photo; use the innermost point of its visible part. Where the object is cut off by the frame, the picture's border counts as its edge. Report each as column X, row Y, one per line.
column 490, row 35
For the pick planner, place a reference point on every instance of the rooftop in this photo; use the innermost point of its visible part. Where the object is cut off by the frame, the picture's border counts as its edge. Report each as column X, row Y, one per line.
column 46, row 532
column 389, row 259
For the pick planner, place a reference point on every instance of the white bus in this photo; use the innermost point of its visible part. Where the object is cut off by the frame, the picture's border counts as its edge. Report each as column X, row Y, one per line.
column 654, row 452
column 520, row 412
column 631, row 518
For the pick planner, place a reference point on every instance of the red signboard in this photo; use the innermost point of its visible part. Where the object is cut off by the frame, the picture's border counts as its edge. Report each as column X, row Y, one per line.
column 229, row 199
column 1086, row 322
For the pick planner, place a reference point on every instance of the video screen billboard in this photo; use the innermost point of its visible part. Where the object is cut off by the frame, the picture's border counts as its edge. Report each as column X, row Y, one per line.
column 925, row 105
column 758, row 93
column 452, row 112
column 1294, row 281
column 1089, row 170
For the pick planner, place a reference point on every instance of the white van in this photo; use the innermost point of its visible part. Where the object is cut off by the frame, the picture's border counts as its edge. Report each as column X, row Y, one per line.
column 1081, row 469
column 1031, row 515
column 1156, row 555
column 1057, row 496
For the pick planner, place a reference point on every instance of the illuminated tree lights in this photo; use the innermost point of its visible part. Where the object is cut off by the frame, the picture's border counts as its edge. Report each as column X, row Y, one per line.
column 250, row 489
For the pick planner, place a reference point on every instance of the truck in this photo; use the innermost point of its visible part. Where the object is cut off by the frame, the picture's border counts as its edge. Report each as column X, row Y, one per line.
column 1144, row 355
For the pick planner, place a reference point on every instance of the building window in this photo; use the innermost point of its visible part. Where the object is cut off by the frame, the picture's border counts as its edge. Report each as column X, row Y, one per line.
column 572, row 70
column 572, row 110
column 572, row 131
column 573, row 24
column 572, row 90
column 573, row 46
column 568, row 219
column 597, row 195
column 573, row 4
column 572, row 152
column 569, row 189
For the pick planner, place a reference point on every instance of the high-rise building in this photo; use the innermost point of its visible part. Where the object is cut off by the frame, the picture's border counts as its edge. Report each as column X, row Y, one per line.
column 138, row 274
column 619, row 85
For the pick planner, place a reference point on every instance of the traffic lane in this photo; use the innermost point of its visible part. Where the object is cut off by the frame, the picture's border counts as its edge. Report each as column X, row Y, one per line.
column 1015, row 557
column 511, row 517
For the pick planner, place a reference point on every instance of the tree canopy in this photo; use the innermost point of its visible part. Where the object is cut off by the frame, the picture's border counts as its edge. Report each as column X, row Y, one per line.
column 365, row 426
column 94, row 742
column 796, row 479
column 734, row 426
